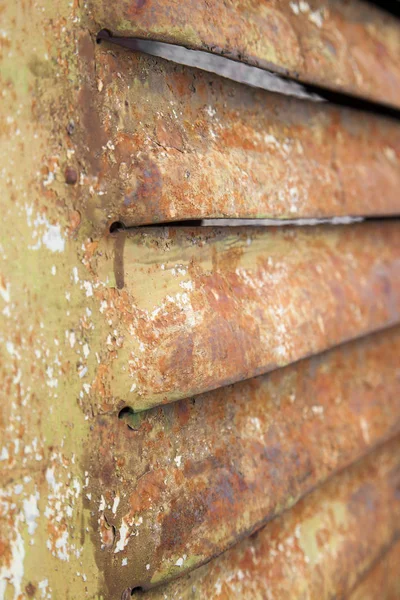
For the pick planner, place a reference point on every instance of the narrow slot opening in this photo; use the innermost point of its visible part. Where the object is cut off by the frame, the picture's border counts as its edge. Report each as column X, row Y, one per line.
column 130, row 417
column 308, row 91
column 391, row 6
column 116, row 226
column 271, row 223
column 104, row 34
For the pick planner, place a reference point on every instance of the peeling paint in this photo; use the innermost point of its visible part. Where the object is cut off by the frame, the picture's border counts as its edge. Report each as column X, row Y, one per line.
column 90, row 503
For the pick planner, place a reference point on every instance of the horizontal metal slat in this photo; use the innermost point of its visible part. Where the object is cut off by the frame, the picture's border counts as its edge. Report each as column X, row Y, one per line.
column 167, row 143
column 192, row 478
column 351, row 47
column 189, row 310
column 319, row 549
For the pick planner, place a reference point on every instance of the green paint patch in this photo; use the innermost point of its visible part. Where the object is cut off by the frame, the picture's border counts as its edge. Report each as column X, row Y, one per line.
column 311, row 527
column 179, row 566
column 130, row 417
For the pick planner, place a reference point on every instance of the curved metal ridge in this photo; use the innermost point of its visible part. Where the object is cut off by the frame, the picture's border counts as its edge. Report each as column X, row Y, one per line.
column 167, row 143
column 192, row 478
column 349, row 47
column 213, row 63
column 241, row 72
column 321, row 548
column 92, row 505
column 187, row 310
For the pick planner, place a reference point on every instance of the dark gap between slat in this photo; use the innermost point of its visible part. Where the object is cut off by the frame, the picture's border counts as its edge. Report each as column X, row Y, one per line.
column 311, row 91
column 119, row 226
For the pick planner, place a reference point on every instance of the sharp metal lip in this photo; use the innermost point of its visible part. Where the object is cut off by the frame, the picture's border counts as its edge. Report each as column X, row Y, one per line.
column 214, row 62
column 233, row 69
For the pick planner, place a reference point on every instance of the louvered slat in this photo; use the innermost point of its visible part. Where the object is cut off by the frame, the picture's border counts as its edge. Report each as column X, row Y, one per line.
column 319, row 549
column 169, row 143
column 348, row 46
column 189, row 310
column 196, row 476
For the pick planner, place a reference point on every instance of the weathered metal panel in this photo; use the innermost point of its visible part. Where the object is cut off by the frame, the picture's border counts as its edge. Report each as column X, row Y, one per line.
column 189, row 310
column 190, row 479
column 45, row 547
column 349, row 46
column 167, row 143
column 319, row 549
column 383, row 579
column 57, row 335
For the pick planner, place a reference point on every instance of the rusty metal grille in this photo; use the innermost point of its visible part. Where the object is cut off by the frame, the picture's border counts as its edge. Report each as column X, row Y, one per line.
column 191, row 409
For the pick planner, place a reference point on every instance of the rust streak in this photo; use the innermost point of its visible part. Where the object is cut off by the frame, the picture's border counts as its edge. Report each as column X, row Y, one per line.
column 119, row 244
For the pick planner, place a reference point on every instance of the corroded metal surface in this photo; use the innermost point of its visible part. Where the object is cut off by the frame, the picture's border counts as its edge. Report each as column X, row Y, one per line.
column 383, row 580
column 58, row 334
column 220, row 65
column 319, row 549
column 189, row 310
column 350, row 46
column 169, row 143
column 187, row 480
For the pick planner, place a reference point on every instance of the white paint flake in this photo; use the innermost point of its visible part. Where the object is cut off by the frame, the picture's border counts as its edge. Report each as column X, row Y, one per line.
column 71, row 338
column 43, row 585
column 186, row 285
column 88, row 288
column 49, row 180
column 4, row 454
column 316, row 17
column 304, row 6
column 53, row 239
column 390, row 153
column 82, row 372
column 31, row 512
column 123, row 537
column 115, row 504
column 14, row 573
column 5, row 292
column 61, row 546
column 180, row 561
